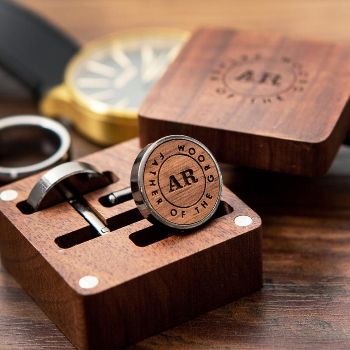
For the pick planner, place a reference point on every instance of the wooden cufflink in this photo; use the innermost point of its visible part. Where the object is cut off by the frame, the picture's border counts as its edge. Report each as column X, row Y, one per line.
column 175, row 181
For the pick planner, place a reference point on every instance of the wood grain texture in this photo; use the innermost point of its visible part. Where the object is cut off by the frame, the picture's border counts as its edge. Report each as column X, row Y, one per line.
column 181, row 182
column 305, row 300
column 150, row 278
column 278, row 104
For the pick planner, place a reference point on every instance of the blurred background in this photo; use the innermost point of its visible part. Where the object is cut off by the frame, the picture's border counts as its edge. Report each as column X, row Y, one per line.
column 86, row 20
column 90, row 19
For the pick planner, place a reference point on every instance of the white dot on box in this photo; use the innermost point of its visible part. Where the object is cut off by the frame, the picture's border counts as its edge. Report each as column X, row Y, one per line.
column 243, row 220
column 8, row 195
column 88, row 282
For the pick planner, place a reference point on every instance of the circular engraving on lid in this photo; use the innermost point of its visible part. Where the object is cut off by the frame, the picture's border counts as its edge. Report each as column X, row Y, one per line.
column 259, row 78
column 182, row 182
column 255, row 80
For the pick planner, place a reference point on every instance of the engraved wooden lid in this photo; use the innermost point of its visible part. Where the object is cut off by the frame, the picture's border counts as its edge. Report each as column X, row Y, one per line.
column 177, row 181
column 282, row 104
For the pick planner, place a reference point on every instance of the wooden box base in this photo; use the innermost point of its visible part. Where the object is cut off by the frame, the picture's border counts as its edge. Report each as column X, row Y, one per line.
column 110, row 291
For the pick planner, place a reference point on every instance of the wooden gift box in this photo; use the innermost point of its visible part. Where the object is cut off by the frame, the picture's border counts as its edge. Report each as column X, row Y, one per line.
column 257, row 100
column 145, row 279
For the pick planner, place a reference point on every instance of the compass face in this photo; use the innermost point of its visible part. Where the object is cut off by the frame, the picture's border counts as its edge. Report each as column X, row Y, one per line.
column 116, row 74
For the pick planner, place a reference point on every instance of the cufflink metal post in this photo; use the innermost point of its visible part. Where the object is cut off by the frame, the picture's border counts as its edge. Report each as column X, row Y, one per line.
column 120, row 196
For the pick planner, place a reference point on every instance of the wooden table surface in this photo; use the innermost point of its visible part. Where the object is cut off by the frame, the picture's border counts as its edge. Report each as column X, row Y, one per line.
column 305, row 301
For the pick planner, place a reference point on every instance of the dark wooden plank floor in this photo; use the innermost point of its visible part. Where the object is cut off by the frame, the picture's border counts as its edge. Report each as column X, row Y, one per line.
column 305, row 302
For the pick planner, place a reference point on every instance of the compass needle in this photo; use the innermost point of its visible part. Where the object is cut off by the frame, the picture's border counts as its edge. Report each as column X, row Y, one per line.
column 156, row 68
column 125, row 77
column 93, row 83
column 123, row 103
column 147, row 56
column 120, row 57
column 103, row 95
column 100, row 68
column 173, row 52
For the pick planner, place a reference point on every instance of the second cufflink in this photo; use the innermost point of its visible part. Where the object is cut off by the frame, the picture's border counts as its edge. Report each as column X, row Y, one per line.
column 175, row 181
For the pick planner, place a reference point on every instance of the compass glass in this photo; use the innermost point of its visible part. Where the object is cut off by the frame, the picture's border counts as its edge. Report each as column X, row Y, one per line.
column 117, row 73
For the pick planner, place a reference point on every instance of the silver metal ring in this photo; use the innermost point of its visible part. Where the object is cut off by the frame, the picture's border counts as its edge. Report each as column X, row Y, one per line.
column 46, row 135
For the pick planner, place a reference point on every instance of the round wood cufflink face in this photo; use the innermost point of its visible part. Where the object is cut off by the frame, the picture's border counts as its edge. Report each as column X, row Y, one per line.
column 176, row 181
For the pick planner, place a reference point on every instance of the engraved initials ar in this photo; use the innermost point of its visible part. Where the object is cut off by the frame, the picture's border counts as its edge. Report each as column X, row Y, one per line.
column 187, row 178
column 263, row 78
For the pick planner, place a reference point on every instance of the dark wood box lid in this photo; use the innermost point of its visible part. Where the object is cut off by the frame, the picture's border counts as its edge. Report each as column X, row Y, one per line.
column 256, row 100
